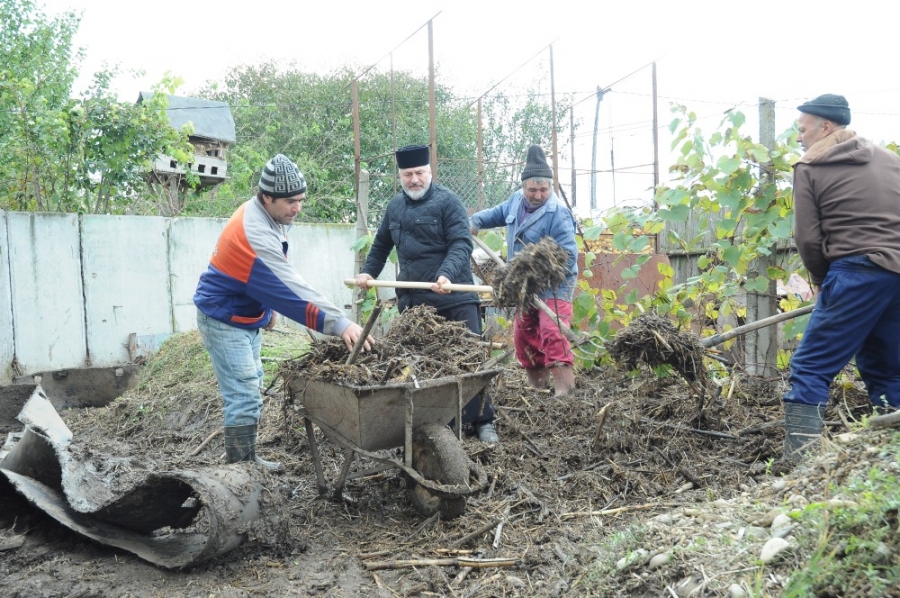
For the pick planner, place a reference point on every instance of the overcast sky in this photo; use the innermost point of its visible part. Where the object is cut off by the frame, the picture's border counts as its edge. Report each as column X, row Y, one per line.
column 710, row 55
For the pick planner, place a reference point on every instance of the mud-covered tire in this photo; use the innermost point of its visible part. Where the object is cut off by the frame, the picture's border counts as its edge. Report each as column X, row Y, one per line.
column 438, row 457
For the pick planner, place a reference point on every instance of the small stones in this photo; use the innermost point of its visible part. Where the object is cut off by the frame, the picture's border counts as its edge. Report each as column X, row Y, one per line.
column 772, row 548
column 781, row 520
column 660, row 560
column 736, row 591
column 689, row 586
column 766, row 519
column 632, row 558
column 664, row 518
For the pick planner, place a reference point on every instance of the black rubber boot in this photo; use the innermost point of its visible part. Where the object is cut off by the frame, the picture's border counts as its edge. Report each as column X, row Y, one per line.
column 240, row 445
column 802, row 427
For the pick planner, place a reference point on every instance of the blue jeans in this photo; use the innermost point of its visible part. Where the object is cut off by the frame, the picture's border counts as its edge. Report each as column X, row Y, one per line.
column 857, row 314
column 235, row 354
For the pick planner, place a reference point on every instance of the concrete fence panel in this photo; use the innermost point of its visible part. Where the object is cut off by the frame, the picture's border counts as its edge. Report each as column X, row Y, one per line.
column 191, row 243
column 47, row 291
column 126, row 284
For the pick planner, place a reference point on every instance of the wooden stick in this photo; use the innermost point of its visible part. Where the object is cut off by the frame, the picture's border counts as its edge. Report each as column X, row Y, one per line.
column 406, row 284
column 365, row 333
column 475, row 563
column 481, row 530
column 495, row 360
column 464, row 571
column 601, row 418
column 885, row 421
column 718, row 339
column 12, row 543
column 209, row 438
column 499, row 531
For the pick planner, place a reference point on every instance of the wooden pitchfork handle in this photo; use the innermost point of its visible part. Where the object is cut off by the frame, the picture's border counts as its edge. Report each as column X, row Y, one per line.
column 399, row 284
column 718, row 339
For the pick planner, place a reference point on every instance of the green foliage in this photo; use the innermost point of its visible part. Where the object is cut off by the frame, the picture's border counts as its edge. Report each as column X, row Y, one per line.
column 720, row 184
column 63, row 154
column 309, row 117
column 36, row 74
column 853, row 546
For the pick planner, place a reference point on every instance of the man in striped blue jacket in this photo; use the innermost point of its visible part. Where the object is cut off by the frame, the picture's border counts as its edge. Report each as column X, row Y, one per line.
column 249, row 279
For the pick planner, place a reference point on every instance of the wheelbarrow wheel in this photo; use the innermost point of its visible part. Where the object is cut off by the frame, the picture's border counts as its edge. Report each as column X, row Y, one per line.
column 438, row 457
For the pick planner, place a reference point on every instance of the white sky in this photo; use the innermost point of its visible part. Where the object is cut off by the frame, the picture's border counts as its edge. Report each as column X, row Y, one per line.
column 710, row 55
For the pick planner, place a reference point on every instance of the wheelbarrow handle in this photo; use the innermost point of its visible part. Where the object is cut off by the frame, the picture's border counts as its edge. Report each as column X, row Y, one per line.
column 398, row 284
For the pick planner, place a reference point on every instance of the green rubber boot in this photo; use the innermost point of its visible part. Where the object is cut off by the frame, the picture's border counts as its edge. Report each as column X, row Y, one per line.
column 240, row 445
column 802, row 427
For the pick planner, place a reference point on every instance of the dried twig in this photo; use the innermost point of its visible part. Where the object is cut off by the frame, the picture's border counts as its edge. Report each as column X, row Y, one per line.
column 475, row 563
column 203, row 444
column 601, row 419
column 478, row 532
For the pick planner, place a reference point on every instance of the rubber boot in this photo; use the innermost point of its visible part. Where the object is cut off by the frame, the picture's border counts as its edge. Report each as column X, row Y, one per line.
column 802, row 427
column 563, row 379
column 487, row 433
column 240, row 445
column 538, row 377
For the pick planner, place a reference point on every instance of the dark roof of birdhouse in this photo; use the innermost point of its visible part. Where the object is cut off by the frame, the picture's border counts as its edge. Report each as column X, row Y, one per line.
column 211, row 119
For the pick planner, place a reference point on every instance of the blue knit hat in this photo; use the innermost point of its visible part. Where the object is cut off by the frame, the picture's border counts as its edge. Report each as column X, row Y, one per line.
column 830, row 107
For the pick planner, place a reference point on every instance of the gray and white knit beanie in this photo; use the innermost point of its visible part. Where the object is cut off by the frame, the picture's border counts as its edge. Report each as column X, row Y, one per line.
column 281, row 178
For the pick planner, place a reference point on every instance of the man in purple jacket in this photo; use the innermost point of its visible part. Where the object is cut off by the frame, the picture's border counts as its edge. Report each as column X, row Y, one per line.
column 847, row 208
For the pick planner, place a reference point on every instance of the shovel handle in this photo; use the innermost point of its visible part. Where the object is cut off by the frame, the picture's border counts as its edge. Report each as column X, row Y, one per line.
column 718, row 339
column 399, row 284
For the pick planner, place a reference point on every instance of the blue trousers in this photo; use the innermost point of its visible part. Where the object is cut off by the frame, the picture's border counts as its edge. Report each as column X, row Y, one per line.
column 857, row 315
column 235, row 354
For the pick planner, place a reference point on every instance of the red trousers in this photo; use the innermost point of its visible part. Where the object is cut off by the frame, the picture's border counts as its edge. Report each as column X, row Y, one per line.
column 539, row 341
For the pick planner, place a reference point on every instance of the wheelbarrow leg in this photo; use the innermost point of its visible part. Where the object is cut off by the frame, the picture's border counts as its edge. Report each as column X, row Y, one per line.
column 314, row 449
column 408, row 430
column 345, row 470
column 459, row 409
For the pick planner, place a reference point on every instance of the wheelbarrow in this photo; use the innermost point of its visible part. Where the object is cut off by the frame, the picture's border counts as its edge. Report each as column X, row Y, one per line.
column 414, row 416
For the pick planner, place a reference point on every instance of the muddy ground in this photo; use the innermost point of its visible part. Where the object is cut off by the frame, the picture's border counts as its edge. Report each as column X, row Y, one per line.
column 569, row 475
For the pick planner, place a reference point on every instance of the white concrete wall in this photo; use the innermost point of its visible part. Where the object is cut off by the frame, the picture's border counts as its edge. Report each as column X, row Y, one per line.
column 79, row 291
column 126, row 283
column 47, row 292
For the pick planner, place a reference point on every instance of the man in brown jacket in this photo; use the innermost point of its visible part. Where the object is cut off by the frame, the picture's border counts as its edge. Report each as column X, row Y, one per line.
column 847, row 208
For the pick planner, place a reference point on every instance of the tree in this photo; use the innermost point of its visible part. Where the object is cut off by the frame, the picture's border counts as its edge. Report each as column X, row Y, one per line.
column 62, row 154
column 37, row 74
column 308, row 117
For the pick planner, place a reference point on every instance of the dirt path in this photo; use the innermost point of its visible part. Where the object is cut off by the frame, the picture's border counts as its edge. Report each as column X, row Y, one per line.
column 569, row 474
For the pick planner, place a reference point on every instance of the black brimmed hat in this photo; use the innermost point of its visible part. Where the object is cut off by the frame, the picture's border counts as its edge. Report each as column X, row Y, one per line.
column 413, row 156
